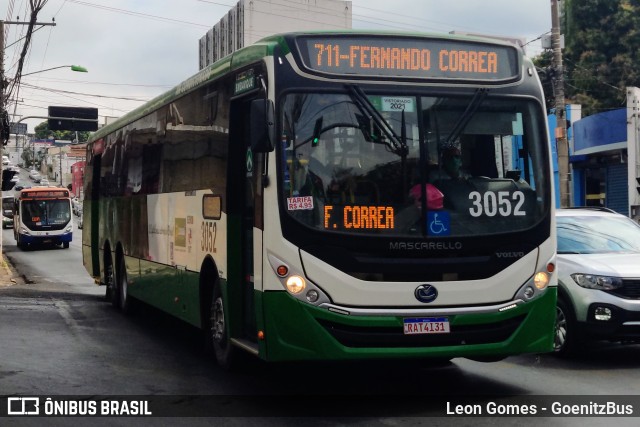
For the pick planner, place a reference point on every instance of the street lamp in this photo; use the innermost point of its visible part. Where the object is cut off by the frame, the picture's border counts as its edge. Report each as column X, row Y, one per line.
column 77, row 68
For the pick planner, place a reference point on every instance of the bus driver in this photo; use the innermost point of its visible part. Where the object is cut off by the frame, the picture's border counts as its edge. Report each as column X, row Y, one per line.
column 450, row 165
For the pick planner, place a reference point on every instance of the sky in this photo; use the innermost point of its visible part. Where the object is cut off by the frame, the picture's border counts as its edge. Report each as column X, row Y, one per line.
column 135, row 50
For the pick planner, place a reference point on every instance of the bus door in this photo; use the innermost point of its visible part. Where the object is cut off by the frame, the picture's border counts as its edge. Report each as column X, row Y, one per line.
column 245, row 223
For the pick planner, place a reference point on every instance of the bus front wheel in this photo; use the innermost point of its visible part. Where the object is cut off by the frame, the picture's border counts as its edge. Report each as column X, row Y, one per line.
column 225, row 352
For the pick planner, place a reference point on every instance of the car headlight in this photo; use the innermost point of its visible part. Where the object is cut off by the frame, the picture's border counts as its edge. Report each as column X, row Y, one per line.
column 593, row 281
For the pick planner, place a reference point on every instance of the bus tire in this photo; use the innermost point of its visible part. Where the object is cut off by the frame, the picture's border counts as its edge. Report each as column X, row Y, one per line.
column 65, row 245
column 110, row 282
column 566, row 335
column 123, row 299
column 218, row 330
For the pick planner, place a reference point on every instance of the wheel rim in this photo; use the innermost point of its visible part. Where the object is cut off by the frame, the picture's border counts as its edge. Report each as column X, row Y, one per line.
column 217, row 321
column 123, row 286
column 561, row 330
column 109, row 277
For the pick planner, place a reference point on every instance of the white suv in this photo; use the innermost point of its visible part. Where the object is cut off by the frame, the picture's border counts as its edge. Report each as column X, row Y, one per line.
column 598, row 278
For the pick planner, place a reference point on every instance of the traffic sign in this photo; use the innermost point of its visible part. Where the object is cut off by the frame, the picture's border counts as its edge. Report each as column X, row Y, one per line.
column 18, row 128
column 73, row 118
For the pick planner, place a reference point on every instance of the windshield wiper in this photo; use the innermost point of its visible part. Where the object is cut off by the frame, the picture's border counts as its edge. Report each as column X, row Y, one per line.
column 398, row 145
column 466, row 116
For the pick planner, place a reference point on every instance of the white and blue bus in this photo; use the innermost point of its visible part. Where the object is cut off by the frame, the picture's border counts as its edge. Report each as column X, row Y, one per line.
column 291, row 200
column 42, row 215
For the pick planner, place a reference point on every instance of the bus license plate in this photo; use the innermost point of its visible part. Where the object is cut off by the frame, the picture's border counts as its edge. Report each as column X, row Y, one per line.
column 426, row 325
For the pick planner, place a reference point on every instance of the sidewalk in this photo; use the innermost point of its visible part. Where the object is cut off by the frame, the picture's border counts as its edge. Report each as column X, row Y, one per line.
column 8, row 275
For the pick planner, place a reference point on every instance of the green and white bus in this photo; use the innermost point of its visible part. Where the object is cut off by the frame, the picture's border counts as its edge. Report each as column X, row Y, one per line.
column 291, row 201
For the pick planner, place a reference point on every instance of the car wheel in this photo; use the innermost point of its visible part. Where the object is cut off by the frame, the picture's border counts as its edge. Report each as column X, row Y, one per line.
column 566, row 337
column 225, row 352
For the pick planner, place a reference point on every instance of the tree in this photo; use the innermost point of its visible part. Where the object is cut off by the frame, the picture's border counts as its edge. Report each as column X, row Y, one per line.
column 601, row 54
column 546, row 73
column 42, row 132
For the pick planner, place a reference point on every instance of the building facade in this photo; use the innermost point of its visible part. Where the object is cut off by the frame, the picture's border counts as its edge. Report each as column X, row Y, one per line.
column 251, row 20
column 605, row 158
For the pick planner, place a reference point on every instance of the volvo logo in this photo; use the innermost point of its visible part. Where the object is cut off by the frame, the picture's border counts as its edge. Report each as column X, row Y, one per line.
column 426, row 293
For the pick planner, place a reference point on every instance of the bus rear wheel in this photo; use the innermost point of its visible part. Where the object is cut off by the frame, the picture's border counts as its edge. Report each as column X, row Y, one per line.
column 225, row 352
column 124, row 302
column 110, row 282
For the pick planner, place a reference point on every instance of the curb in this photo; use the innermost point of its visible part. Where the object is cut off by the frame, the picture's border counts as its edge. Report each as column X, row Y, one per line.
column 6, row 273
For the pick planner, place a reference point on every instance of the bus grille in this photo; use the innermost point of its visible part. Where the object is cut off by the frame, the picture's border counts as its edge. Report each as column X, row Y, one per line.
column 390, row 337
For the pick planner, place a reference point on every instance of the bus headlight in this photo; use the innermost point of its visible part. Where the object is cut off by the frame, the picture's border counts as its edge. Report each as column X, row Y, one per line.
column 69, row 229
column 295, row 284
column 312, row 295
column 541, row 280
column 537, row 284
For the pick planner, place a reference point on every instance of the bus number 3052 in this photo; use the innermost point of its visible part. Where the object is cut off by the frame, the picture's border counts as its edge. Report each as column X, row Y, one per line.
column 209, row 229
column 501, row 203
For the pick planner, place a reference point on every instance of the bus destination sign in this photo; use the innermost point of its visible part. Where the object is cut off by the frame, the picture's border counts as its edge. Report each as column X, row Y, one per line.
column 406, row 57
column 358, row 217
column 39, row 194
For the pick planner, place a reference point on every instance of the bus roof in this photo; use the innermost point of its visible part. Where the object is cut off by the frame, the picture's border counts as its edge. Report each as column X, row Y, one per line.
column 230, row 62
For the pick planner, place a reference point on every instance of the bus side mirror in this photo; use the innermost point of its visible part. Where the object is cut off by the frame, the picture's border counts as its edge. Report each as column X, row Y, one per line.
column 262, row 126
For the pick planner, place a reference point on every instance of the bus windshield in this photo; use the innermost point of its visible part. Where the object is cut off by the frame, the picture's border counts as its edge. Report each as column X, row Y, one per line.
column 408, row 165
column 45, row 214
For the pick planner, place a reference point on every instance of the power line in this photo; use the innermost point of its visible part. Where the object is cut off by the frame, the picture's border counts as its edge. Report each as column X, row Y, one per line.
column 597, row 78
column 84, row 94
column 138, row 14
column 50, row 79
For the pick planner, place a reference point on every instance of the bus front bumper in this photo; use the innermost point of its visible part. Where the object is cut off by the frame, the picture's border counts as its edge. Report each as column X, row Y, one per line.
column 297, row 331
column 46, row 239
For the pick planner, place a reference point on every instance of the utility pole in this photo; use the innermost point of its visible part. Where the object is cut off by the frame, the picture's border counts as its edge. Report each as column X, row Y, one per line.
column 2, row 112
column 562, row 142
column 3, row 88
column 2, row 109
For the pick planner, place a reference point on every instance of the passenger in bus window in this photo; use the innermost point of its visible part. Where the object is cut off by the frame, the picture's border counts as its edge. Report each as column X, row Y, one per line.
column 450, row 166
column 410, row 218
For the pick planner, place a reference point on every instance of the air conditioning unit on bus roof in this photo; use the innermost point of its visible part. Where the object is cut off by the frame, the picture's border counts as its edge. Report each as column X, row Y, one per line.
column 518, row 41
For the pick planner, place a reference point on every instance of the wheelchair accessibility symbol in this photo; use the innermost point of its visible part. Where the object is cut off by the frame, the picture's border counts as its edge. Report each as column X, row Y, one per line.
column 438, row 223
